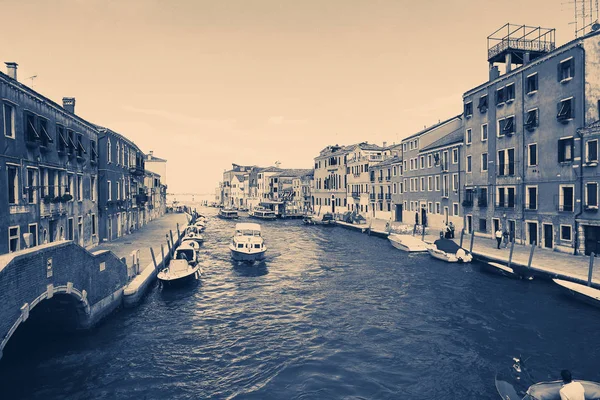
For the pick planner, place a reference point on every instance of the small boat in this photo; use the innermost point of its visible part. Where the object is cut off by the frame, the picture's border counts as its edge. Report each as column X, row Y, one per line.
column 325, row 219
column 407, row 243
column 192, row 233
column 247, row 243
column 580, row 292
column 183, row 266
column 517, row 384
column 262, row 213
column 447, row 250
column 514, row 271
column 228, row 214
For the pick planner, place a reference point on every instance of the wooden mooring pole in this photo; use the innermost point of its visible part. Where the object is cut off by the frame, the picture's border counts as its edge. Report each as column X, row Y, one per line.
column 168, row 244
column 423, row 233
column 471, row 244
column 591, row 270
column 512, row 247
column 531, row 254
column 462, row 236
column 178, row 232
column 172, row 242
column 153, row 258
column 162, row 251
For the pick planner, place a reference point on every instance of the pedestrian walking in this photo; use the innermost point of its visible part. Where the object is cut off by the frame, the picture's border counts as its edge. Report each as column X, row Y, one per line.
column 499, row 237
column 505, row 234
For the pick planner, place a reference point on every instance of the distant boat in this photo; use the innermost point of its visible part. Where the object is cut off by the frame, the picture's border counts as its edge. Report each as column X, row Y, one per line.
column 407, row 243
column 581, row 292
column 183, row 266
column 228, row 214
column 262, row 213
column 325, row 219
column 247, row 243
column 447, row 250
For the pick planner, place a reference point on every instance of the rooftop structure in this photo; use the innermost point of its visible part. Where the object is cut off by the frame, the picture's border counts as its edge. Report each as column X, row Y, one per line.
column 519, row 44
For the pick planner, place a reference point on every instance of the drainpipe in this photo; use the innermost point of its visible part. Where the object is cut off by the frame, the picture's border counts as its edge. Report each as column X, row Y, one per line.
column 581, row 154
column 523, row 167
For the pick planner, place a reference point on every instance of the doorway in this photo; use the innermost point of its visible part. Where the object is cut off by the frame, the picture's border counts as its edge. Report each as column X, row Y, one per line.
column 496, row 223
column 398, row 212
column 469, row 224
column 119, row 225
column 109, row 229
column 333, row 204
column 532, row 232
column 423, row 214
column 548, row 235
column 70, row 229
column 592, row 239
column 52, row 230
column 512, row 228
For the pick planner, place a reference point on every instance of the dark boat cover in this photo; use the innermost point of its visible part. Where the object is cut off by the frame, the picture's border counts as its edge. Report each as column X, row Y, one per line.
column 447, row 246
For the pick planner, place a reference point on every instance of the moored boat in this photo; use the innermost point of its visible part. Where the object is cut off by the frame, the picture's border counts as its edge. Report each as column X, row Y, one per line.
column 581, row 292
column 247, row 243
column 407, row 243
column 325, row 219
column 447, row 250
column 262, row 213
column 228, row 214
column 183, row 266
column 192, row 233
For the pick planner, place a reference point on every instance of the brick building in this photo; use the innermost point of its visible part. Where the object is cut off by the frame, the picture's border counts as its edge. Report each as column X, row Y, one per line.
column 49, row 169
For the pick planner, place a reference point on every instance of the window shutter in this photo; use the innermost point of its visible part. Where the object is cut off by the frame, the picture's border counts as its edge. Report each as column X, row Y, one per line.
column 572, row 66
column 559, row 72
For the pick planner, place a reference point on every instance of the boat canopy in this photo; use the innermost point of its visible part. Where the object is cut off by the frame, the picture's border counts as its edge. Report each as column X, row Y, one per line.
column 446, row 245
column 247, row 229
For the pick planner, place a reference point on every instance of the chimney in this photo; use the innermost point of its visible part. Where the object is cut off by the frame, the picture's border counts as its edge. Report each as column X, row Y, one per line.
column 11, row 68
column 69, row 104
column 526, row 57
column 384, row 144
column 494, row 72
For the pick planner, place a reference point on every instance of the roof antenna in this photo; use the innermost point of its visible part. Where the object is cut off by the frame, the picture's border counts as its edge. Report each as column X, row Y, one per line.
column 277, row 164
column 32, row 78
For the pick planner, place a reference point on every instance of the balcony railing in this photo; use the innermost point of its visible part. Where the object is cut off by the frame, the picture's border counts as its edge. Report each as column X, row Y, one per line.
column 380, row 196
column 372, row 197
column 136, row 170
column 566, row 207
column 388, row 178
column 52, row 209
column 507, row 203
column 388, row 196
column 356, row 195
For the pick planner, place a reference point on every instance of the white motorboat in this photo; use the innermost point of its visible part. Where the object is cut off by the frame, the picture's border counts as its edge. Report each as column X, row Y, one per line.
column 447, row 250
column 407, row 243
column 262, row 213
column 192, row 233
column 581, row 292
column 228, row 214
column 247, row 243
column 200, row 225
column 183, row 266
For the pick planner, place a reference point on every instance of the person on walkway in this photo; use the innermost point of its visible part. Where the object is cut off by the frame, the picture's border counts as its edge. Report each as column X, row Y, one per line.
column 505, row 235
column 570, row 390
column 452, row 228
column 499, row 237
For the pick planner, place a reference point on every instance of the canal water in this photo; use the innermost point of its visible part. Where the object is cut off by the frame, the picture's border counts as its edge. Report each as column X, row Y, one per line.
column 330, row 314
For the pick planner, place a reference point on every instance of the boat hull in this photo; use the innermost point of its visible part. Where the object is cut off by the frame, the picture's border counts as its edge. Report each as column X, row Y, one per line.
column 580, row 292
column 409, row 248
column 450, row 258
column 265, row 218
column 167, row 276
column 247, row 257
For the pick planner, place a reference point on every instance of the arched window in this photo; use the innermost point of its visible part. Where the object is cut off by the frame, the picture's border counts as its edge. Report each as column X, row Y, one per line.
column 108, row 151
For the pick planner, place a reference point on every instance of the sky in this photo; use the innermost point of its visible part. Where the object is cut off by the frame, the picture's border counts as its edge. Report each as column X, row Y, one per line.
column 207, row 83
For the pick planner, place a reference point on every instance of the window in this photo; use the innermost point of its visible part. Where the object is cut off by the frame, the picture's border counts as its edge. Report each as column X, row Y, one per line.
column 13, row 184
column 33, row 231
column 109, row 190
column 499, row 96
column 454, row 156
column 565, row 149
column 31, row 133
column 505, row 197
column 422, row 184
column 422, row 161
column 483, row 104
column 531, row 198
column 445, row 186
column 591, row 195
column 565, row 232
column 532, row 83
column 445, row 166
column 509, row 93
column 429, row 161
column 411, row 145
column 31, row 184
column 72, row 145
column 533, row 156
column 566, row 198
column 13, row 238
column 43, row 131
column 591, row 150
column 565, row 110
column 438, row 208
column 566, row 70
column 9, row 120
column 531, row 120
column 455, row 209
column 80, row 147
column 482, row 225
column 108, row 152
column 484, row 162
column 468, row 109
column 482, row 197
column 118, row 152
column 118, row 190
column 506, row 162
column 63, row 144
column 506, row 126
column 430, row 207
column 484, row 132
column 468, row 137
column 437, row 183
column 455, row 183
column 79, row 188
column 430, row 183
column 93, row 188
column 469, row 164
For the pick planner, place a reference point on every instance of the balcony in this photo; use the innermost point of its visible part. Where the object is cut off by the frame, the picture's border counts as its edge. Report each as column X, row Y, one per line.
column 388, row 178
column 380, row 179
column 591, row 208
column 388, row 196
column 356, row 195
column 508, row 203
column 20, row 208
column 372, row 197
column 52, row 209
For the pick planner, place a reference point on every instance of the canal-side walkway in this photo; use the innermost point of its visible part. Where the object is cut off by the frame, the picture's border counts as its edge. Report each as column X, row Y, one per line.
column 545, row 261
column 150, row 235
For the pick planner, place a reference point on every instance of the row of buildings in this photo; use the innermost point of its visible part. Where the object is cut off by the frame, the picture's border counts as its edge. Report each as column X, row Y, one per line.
column 67, row 178
column 522, row 155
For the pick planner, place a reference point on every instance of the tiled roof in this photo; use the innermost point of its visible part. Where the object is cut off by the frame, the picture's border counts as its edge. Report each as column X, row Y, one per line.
column 385, row 163
column 294, row 173
column 432, row 127
column 451, row 138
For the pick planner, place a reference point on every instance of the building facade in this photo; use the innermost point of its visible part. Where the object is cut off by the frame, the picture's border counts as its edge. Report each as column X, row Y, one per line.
column 49, row 169
column 383, row 186
column 330, row 194
column 523, row 149
column 360, row 157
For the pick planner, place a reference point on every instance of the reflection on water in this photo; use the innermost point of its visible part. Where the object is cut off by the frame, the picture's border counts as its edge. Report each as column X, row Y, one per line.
column 329, row 314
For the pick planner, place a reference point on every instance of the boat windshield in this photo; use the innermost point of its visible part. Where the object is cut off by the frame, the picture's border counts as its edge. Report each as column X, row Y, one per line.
column 247, row 232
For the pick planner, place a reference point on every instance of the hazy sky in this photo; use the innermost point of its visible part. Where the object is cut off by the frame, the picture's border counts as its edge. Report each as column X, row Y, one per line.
column 208, row 83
